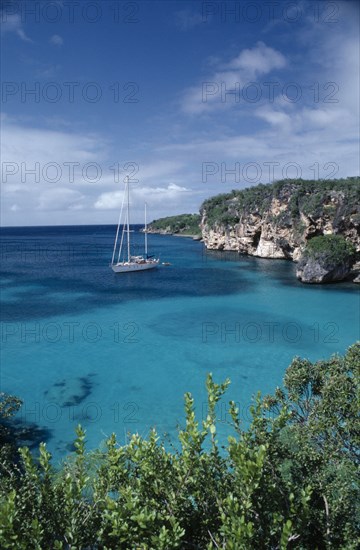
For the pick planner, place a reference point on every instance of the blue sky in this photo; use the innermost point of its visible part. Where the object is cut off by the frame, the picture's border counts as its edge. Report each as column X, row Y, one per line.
column 190, row 99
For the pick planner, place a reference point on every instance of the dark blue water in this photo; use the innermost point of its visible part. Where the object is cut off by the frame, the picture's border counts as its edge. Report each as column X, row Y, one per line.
column 116, row 352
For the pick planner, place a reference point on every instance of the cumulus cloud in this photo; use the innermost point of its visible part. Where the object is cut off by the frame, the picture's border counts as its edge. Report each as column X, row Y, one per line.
column 159, row 169
column 113, row 200
column 43, row 174
column 187, row 19
column 60, row 199
column 276, row 118
column 43, row 170
column 110, row 200
column 29, row 144
column 333, row 107
column 318, row 131
column 258, row 60
column 230, row 77
column 57, row 40
column 12, row 23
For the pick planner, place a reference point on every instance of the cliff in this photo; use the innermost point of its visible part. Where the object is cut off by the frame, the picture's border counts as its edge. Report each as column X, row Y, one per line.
column 276, row 220
column 326, row 258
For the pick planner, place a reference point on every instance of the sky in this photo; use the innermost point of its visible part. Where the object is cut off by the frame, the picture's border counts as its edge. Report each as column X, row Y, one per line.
column 187, row 98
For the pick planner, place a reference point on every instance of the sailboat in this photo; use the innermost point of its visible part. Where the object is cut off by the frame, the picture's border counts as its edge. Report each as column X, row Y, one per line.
column 131, row 263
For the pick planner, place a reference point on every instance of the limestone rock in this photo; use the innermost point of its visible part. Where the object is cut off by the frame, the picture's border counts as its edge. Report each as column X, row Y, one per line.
column 311, row 270
column 279, row 226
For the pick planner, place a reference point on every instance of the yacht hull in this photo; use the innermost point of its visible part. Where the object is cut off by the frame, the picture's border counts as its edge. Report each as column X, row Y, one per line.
column 128, row 267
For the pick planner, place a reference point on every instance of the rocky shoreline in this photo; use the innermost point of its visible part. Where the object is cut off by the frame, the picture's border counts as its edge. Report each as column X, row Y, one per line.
column 168, row 232
column 278, row 220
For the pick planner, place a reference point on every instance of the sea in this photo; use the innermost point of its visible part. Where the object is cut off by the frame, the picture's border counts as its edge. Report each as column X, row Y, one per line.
column 117, row 352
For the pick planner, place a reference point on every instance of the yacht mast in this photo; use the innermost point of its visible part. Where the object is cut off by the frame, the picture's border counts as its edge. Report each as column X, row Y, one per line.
column 128, row 218
column 146, row 246
column 117, row 233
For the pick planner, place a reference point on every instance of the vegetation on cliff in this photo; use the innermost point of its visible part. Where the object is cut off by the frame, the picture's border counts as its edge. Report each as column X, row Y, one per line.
column 290, row 480
column 326, row 258
column 185, row 224
column 311, row 197
column 276, row 220
column 330, row 249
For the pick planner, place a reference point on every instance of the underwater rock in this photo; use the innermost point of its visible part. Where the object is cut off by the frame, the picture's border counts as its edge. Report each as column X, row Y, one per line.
column 70, row 392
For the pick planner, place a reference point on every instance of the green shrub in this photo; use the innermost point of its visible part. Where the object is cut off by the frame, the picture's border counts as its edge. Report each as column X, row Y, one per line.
column 306, row 196
column 184, row 223
column 330, row 249
column 290, row 480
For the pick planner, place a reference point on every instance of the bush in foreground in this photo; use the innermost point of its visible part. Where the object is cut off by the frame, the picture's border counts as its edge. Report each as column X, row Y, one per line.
column 288, row 481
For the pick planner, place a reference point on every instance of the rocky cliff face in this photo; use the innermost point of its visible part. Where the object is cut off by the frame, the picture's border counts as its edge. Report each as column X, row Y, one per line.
column 326, row 258
column 312, row 271
column 275, row 221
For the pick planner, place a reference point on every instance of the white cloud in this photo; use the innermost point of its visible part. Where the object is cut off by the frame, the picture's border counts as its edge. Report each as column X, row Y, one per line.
column 29, row 145
column 109, row 201
column 332, row 112
column 294, row 141
column 258, row 61
column 187, row 19
column 55, row 186
column 59, row 199
column 153, row 195
column 313, row 131
column 44, row 200
column 159, row 169
column 274, row 117
column 247, row 67
column 12, row 23
column 304, row 119
column 57, row 40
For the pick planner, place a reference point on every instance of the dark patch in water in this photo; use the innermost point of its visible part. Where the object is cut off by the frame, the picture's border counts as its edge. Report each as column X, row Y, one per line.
column 71, row 392
column 27, row 434
column 70, row 447
column 84, row 417
column 75, row 400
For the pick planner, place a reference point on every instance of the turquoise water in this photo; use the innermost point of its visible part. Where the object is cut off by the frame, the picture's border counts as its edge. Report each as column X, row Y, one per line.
column 81, row 344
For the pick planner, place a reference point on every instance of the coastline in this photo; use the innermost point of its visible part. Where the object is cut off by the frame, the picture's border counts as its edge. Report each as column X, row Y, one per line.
column 193, row 237
column 185, row 235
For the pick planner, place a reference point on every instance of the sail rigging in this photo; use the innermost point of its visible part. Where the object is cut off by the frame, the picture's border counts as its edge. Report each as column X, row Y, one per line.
column 133, row 263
